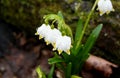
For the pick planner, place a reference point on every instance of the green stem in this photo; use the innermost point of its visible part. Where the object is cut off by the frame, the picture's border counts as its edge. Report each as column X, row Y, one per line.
column 86, row 23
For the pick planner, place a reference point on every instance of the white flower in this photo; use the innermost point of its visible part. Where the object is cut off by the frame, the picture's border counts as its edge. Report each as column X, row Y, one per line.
column 43, row 30
column 52, row 36
column 63, row 43
column 105, row 6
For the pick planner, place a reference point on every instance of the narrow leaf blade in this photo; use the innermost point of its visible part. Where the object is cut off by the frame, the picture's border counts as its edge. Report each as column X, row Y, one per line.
column 40, row 73
column 55, row 60
column 91, row 39
column 50, row 75
column 78, row 29
column 68, row 70
column 84, row 52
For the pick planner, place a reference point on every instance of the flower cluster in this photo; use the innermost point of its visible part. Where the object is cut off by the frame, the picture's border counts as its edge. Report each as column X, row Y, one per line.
column 54, row 37
column 105, row 6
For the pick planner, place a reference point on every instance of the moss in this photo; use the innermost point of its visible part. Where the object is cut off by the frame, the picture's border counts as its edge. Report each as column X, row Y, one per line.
column 27, row 14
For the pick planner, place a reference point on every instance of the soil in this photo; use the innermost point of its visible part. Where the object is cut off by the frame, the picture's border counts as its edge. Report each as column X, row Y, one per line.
column 20, row 54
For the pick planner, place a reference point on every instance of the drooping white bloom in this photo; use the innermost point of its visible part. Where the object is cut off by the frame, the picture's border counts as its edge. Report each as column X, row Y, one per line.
column 105, row 6
column 43, row 30
column 63, row 43
column 52, row 36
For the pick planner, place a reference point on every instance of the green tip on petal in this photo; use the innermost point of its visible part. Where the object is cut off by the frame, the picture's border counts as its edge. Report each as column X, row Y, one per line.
column 54, row 45
column 68, row 52
column 107, row 12
column 113, row 9
column 47, row 42
column 40, row 37
column 59, row 51
column 54, row 49
column 101, row 13
column 36, row 33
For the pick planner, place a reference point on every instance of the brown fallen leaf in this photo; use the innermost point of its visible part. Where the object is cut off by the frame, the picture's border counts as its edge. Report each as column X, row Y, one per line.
column 96, row 67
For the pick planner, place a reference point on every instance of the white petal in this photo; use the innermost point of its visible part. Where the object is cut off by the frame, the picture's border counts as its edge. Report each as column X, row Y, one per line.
column 105, row 6
column 63, row 43
column 42, row 30
column 52, row 35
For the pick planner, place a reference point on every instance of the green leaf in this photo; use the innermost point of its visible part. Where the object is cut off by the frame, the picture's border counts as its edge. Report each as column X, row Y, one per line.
column 55, row 60
column 84, row 52
column 50, row 75
column 66, row 57
column 40, row 73
column 60, row 66
column 68, row 70
column 79, row 29
column 89, row 44
column 81, row 62
column 77, row 35
column 91, row 39
column 74, row 76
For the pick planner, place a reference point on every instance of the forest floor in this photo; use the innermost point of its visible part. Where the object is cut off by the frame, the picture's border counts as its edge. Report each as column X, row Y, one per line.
column 20, row 54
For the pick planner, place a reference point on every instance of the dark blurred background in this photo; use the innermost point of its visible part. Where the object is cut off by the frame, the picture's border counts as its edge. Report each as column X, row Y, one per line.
column 20, row 18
